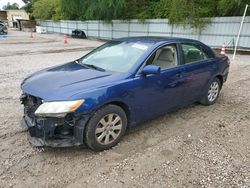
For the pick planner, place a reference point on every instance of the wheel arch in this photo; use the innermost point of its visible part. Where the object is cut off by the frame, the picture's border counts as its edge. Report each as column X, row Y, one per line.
column 220, row 77
column 123, row 106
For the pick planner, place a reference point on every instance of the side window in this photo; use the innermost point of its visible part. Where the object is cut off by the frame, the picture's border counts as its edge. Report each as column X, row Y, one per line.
column 193, row 53
column 208, row 52
column 165, row 57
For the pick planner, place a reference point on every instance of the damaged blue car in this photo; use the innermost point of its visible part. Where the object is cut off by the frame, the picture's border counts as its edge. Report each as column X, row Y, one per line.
column 95, row 99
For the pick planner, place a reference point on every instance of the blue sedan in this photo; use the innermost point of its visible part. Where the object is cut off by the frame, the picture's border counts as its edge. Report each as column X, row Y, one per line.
column 120, row 84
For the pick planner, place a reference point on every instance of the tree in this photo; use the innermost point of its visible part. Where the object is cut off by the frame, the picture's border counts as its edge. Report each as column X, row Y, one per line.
column 9, row 6
column 73, row 10
column 191, row 12
column 47, row 9
column 28, row 7
column 233, row 7
column 162, row 8
column 196, row 13
column 92, row 9
column 107, row 9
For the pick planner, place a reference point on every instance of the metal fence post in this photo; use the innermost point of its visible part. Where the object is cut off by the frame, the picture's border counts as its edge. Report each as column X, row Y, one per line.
column 53, row 27
column 67, row 27
column 199, row 35
column 112, row 31
column 147, row 27
column 128, row 28
column 87, row 28
column 172, row 30
column 99, row 29
column 238, row 36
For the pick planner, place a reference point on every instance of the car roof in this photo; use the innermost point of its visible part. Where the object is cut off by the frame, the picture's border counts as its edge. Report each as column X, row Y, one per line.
column 155, row 39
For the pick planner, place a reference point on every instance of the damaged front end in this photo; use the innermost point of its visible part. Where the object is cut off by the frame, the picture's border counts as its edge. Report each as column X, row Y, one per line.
column 58, row 131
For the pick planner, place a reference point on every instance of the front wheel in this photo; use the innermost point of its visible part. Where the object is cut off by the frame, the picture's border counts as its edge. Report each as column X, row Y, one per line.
column 212, row 92
column 106, row 128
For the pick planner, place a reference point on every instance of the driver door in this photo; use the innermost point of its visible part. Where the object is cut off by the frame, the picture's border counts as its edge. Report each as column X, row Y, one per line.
column 158, row 93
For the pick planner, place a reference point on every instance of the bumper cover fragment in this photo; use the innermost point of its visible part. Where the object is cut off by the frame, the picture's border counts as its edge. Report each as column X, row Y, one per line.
column 44, row 131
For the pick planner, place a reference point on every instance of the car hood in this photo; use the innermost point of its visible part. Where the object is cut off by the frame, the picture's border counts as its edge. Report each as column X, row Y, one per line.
column 64, row 81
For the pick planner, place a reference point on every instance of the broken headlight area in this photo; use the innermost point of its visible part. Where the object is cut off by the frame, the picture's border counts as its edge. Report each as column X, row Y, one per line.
column 56, row 130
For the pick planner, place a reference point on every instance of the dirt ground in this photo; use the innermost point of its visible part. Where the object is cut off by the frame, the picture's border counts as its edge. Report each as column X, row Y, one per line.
column 197, row 146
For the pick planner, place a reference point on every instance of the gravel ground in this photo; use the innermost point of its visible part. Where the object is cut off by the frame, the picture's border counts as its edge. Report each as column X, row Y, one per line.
column 196, row 146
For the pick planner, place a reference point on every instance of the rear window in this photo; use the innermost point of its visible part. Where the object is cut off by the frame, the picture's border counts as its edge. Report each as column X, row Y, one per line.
column 194, row 53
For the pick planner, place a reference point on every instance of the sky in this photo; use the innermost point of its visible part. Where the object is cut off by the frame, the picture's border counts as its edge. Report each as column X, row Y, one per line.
column 4, row 2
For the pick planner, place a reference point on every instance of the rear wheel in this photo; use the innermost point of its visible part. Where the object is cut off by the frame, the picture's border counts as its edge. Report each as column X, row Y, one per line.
column 212, row 92
column 106, row 128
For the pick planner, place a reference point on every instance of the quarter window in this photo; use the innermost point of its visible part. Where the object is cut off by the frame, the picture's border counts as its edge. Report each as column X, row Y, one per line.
column 193, row 53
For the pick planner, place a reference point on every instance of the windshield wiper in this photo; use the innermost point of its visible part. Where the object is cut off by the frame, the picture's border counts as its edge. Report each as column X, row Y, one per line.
column 90, row 66
column 94, row 67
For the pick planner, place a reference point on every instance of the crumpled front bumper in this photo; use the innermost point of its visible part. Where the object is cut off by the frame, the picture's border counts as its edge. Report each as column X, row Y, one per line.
column 54, row 132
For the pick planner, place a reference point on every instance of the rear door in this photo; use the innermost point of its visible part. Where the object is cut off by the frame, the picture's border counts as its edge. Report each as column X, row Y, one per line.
column 198, row 68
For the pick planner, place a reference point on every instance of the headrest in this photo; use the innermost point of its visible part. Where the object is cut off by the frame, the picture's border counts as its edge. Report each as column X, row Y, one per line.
column 193, row 55
column 166, row 55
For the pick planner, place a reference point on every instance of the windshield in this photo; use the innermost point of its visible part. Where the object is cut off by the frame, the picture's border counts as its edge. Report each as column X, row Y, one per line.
column 116, row 56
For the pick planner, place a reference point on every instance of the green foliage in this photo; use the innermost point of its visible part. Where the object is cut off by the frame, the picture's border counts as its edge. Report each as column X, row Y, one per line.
column 233, row 7
column 47, row 9
column 196, row 13
column 92, row 9
column 9, row 6
column 192, row 12
column 73, row 9
column 137, row 9
column 163, row 8
column 108, row 9
column 28, row 7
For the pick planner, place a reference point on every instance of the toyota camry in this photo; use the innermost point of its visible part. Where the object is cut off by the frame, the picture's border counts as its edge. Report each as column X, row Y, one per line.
column 96, row 98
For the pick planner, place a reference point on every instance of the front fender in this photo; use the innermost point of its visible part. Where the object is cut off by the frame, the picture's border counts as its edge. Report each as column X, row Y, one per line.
column 97, row 98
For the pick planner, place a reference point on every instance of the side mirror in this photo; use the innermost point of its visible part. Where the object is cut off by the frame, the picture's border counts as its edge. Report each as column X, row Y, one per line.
column 151, row 69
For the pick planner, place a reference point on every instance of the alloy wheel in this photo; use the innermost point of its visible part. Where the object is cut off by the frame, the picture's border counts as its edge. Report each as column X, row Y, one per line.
column 108, row 129
column 213, row 91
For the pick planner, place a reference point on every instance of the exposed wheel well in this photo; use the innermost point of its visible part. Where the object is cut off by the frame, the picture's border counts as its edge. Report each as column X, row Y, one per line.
column 220, row 78
column 124, row 107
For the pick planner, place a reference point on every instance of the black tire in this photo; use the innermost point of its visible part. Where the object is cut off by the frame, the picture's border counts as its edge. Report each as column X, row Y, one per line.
column 95, row 125
column 208, row 100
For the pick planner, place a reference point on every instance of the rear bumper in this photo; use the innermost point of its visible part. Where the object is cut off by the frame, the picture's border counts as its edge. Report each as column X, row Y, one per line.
column 54, row 132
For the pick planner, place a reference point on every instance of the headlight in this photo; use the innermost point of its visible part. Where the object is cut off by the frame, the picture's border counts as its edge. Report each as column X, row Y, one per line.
column 58, row 108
